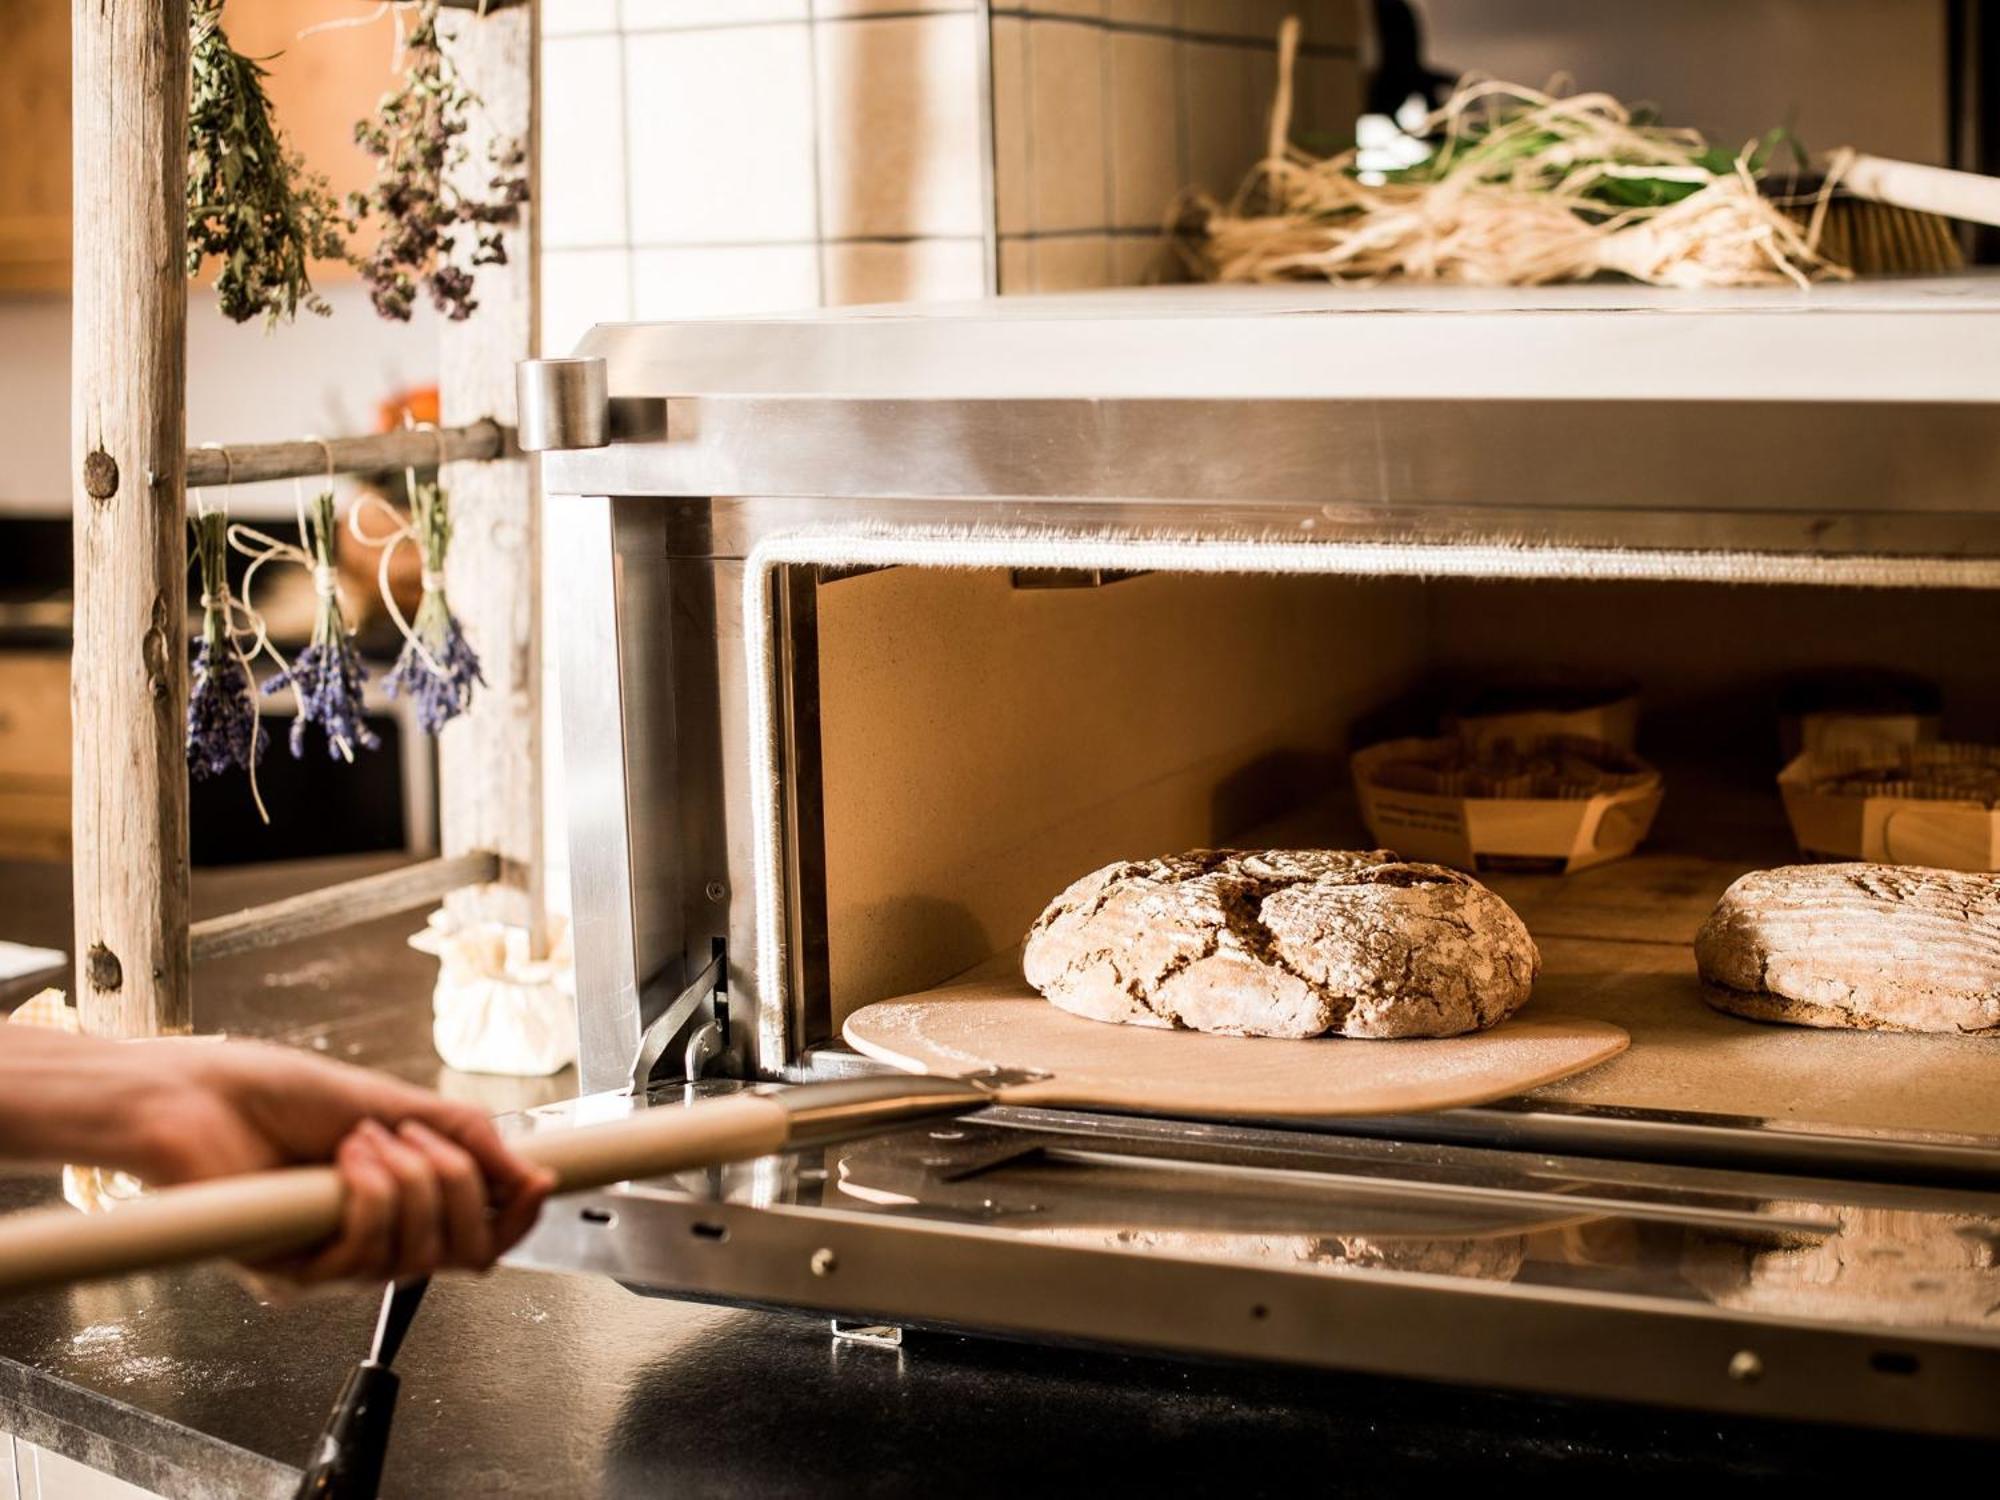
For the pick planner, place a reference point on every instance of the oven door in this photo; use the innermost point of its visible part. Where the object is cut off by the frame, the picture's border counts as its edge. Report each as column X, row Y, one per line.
column 1745, row 1292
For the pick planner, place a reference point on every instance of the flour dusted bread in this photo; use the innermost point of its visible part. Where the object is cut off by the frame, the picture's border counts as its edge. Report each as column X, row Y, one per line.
column 1285, row 943
column 1874, row 947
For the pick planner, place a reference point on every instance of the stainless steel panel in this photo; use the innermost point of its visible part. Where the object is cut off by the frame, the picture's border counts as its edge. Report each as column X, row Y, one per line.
column 1732, row 1291
column 1807, row 462
column 608, row 567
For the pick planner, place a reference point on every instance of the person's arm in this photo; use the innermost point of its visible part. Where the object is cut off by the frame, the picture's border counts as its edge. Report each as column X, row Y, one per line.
column 429, row 1183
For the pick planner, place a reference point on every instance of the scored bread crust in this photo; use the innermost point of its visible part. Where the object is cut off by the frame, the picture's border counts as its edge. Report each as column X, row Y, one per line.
column 1285, row 943
column 1859, row 946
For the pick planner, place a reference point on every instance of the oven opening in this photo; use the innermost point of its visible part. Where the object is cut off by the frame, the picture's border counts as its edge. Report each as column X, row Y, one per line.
column 985, row 737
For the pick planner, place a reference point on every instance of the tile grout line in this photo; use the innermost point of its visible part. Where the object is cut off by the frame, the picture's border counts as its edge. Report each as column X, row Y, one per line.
column 817, row 141
column 1183, row 33
column 773, row 244
column 989, row 151
column 625, row 28
column 1024, row 91
column 1106, row 114
column 1183, row 107
column 626, row 167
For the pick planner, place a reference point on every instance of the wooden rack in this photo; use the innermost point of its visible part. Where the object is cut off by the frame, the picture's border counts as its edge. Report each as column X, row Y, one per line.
column 135, row 947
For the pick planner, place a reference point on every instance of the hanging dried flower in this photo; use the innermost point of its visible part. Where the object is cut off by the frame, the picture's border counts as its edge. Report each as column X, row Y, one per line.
column 438, row 667
column 327, row 676
column 250, row 201
column 223, row 731
column 416, row 138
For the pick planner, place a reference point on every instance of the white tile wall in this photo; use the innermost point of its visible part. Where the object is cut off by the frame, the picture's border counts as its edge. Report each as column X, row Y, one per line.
column 1143, row 262
column 1106, row 111
column 835, row 9
column 1224, row 140
column 656, row 15
column 1054, row 7
column 580, row 288
column 566, row 17
column 919, row 271
column 1068, row 181
column 1145, row 12
column 719, row 134
column 1073, row 264
column 900, row 128
column 583, row 155
column 837, row 150
column 730, row 280
column 1145, row 107
column 1011, row 165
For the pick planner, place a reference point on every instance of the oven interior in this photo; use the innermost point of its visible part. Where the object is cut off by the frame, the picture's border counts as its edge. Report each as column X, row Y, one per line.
column 987, row 736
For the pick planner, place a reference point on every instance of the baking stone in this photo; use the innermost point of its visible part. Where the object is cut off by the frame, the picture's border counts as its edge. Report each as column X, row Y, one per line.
column 1002, row 1023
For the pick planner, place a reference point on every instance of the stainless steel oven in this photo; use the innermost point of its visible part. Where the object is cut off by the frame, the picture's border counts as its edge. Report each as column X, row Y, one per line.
column 876, row 627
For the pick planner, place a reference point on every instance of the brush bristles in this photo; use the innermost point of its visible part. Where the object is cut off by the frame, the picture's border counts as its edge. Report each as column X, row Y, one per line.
column 1879, row 239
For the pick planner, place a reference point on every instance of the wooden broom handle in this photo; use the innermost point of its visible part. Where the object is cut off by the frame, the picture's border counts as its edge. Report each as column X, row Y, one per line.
column 1971, row 196
column 268, row 1213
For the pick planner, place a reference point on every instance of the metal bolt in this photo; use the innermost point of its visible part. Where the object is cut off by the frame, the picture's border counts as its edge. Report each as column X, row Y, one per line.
column 1745, row 1367
column 715, row 890
column 823, row 1262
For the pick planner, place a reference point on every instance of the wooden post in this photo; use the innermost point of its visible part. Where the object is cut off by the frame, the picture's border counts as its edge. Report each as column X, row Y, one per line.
column 128, row 674
column 490, row 759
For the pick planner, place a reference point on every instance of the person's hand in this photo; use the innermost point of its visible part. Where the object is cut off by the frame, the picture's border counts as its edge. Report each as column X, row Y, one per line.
column 429, row 1183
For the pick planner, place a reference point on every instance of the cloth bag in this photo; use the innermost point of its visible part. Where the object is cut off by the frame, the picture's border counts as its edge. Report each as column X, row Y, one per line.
column 495, row 1009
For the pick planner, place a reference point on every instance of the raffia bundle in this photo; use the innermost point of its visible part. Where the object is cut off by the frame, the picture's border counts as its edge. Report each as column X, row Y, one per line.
column 1525, row 188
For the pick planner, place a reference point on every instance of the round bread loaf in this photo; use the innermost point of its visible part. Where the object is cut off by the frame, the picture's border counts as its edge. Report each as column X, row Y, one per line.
column 1287, row 942
column 1874, row 947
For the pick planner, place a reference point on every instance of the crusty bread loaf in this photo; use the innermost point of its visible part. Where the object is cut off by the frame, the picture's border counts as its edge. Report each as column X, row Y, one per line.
column 1290, row 943
column 1874, row 947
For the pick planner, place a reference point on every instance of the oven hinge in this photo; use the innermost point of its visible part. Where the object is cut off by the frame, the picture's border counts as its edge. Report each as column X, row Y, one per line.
column 707, row 1033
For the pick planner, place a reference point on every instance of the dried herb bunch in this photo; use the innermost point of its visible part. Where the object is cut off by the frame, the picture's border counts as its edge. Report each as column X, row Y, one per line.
column 438, row 667
column 417, row 140
column 222, row 728
column 1516, row 188
column 250, row 201
column 327, row 675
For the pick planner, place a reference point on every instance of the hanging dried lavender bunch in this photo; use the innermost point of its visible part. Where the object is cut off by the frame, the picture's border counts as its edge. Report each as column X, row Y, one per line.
column 327, row 675
column 438, row 666
column 250, row 202
column 222, row 728
column 416, row 140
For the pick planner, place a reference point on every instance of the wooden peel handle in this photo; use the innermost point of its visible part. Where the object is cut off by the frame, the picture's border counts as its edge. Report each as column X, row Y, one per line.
column 268, row 1213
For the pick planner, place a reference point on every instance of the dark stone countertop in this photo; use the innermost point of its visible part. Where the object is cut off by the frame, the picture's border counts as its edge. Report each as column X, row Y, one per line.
column 524, row 1383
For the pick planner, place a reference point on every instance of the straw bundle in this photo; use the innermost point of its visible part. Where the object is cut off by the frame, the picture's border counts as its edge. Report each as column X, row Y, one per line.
column 1524, row 188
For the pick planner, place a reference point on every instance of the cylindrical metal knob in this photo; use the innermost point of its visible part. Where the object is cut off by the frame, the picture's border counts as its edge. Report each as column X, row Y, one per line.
column 565, row 403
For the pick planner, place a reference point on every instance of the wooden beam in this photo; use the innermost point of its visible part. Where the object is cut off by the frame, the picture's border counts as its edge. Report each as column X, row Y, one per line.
column 247, row 463
column 490, row 758
column 347, row 904
column 127, row 436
